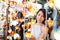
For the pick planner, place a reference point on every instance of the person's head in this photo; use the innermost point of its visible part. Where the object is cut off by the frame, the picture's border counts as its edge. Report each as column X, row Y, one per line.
column 19, row 15
column 40, row 16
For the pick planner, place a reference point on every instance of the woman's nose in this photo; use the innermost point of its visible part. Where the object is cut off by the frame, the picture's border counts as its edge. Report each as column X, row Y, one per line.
column 39, row 17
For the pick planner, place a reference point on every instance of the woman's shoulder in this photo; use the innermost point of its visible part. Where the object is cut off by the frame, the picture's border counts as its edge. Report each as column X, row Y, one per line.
column 34, row 25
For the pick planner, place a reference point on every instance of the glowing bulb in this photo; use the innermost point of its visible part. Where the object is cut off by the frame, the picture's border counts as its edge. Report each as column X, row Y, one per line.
column 57, row 3
column 49, row 22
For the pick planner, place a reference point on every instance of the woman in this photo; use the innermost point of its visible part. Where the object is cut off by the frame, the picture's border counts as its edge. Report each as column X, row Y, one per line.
column 39, row 30
column 20, row 23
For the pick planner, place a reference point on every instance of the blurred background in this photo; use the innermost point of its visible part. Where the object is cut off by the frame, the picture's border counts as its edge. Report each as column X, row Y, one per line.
column 17, row 16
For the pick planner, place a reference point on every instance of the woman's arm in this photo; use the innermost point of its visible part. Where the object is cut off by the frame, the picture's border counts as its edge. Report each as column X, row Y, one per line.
column 32, row 38
column 44, row 33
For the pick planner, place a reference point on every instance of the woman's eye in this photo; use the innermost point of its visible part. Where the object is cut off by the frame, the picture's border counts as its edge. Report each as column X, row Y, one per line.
column 42, row 16
column 38, row 14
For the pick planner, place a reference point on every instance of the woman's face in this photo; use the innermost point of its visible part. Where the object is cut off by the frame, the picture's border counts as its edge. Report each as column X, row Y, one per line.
column 40, row 17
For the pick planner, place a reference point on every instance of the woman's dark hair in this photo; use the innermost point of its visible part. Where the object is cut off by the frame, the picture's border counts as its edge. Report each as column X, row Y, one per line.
column 44, row 13
column 58, row 19
column 19, row 15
